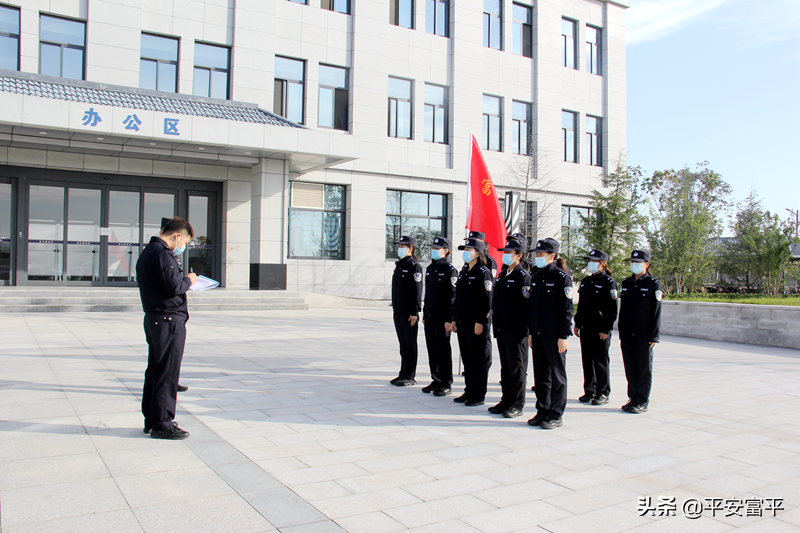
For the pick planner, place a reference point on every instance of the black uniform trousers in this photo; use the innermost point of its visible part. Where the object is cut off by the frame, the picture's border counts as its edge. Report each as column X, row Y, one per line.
column 407, row 335
column 637, row 355
column 595, row 359
column 549, row 376
column 440, row 355
column 477, row 356
column 166, row 337
column 513, row 369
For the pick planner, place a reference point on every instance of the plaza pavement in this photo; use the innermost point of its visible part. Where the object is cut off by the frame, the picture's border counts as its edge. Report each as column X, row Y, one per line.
column 295, row 428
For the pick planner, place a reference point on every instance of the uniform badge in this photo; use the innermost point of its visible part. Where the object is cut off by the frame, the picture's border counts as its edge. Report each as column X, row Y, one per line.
column 494, row 272
column 454, row 280
column 568, row 292
column 659, row 295
column 526, row 292
column 487, row 285
column 417, row 277
column 613, row 294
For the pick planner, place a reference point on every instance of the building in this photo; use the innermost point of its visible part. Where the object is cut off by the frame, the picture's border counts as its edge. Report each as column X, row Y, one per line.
column 298, row 138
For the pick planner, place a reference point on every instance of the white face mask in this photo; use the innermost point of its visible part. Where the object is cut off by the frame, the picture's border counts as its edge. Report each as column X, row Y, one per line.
column 594, row 267
column 637, row 268
column 402, row 252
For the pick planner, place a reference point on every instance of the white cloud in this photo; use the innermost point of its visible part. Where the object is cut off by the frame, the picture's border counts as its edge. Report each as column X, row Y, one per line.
column 650, row 20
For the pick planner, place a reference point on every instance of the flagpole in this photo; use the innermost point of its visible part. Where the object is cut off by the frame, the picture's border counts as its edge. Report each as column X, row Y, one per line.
column 469, row 184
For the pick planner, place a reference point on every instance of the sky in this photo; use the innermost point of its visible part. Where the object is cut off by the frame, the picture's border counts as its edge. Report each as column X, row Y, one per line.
column 718, row 81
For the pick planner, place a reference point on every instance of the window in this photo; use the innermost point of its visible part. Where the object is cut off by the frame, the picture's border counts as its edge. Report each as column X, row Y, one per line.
column 568, row 140
column 9, row 38
column 62, row 46
column 435, row 114
column 594, row 141
column 316, row 220
column 492, row 21
column 436, row 16
column 521, row 128
column 418, row 214
column 289, row 87
column 341, row 6
column 158, row 67
column 593, row 50
column 298, row 1
column 573, row 239
column 211, row 67
column 568, row 43
column 333, row 97
column 522, row 31
column 401, row 13
column 399, row 108
column 491, row 122
column 528, row 217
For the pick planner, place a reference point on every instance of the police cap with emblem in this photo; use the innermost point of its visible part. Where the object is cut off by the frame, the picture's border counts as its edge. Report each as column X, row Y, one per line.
column 481, row 236
column 515, row 244
column 550, row 246
column 441, row 242
column 472, row 243
column 408, row 241
column 597, row 255
column 640, row 256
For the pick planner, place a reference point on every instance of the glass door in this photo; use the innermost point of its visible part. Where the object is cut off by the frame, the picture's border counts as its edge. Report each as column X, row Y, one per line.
column 6, row 234
column 200, row 251
column 156, row 206
column 123, row 238
column 46, row 233
column 83, row 235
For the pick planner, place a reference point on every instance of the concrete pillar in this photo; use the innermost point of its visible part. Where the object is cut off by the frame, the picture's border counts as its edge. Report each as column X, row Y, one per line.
column 268, row 210
column 236, row 232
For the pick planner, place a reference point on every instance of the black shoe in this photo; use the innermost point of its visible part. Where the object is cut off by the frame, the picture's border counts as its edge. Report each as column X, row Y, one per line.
column 585, row 398
column 148, row 428
column 600, row 400
column 628, row 405
column 551, row 423
column 461, row 399
column 497, row 409
column 404, row 383
column 173, row 433
column 443, row 391
column 536, row 420
column 182, row 388
column 512, row 412
column 639, row 408
column 473, row 403
column 430, row 388
column 395, row 380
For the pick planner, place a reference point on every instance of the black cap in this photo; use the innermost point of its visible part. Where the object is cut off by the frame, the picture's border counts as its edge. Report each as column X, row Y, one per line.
column 515, row 244
column 441, row 242
column 518, row 237
column 481, row 236
column 640, row 256
column 472, row 243
column 550, row 246
column 597, row 255
column 408, row 241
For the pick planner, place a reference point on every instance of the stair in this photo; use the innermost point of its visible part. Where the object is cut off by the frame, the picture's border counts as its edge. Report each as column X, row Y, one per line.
column 100, row 299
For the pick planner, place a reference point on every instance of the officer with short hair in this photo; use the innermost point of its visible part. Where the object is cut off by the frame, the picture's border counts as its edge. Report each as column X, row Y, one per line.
column 440, row 292
column 407, row 303
column 639, row 327
column 162, row 288
column 594, row 320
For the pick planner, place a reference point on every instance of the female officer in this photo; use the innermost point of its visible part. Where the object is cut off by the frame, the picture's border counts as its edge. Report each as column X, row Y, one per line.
column 550, row 324
column 639, row 327
column 594, row 320
column 471, row 322
column 407, row 302
column 510, row 306
column 440, row 290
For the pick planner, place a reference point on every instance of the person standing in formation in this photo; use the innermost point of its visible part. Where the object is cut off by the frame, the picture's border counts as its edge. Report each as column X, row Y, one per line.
column 594, row 321
column 437, row 318
column 407, row 303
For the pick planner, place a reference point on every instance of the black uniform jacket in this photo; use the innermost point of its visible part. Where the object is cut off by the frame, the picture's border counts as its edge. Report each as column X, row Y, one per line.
column 492, row 266
column 640, row 307
column 511, row 303
column 440, row 290
column 597, row 307
column 162, row 285
column 551, row 302
column 474, row 295
column 407, row 286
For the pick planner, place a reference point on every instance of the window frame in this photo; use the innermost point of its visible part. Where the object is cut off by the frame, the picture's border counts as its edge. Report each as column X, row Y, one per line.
column 568, row 246
column 16, row 36
column 516, row 127
column 211, row 70
column 423, row 255
column 330, row 5
column 486, row 124
column 523, row 26
column 396, row 101
column 594, row 50
column 487, row 26
column 594, row 142
column 565, row 137
column 435, row 107
column 567, row 42
column 159, row 61
column 395, row 13
column 323, row 210
column 284, row 94
column 61, row 45
column 435, row 17
column 345, row 89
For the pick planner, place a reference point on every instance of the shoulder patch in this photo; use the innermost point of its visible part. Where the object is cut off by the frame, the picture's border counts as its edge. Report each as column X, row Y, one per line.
column 659, row 295
column 614, row 294
column 568, row 292
column 494, row 272
column 454, row 280
column 526, row 292
column 487, row 285
column 417, row 277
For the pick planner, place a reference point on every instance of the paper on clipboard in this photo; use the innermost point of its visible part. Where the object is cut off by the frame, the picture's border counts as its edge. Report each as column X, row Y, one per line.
column 203, row 284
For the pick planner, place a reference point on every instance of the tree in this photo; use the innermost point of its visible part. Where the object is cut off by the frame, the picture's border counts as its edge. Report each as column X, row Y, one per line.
column 740, row 254
column 774, row 254
column 530, row 176
column 614, row 225
column 685, row 216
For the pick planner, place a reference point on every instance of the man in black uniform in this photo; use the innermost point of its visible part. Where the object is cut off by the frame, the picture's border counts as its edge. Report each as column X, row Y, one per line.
column 639, row 325
column 164, row 222
column 162, row 287
column 440, row 292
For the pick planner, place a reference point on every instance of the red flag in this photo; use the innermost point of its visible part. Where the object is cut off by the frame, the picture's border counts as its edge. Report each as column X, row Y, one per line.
column 483, row 206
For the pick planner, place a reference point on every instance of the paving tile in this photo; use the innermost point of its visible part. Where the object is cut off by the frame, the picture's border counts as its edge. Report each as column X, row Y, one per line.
column 384, row 480
column 435, row 511
column 515, row 517
column 349, row 505
column 224, row 514
column 155, row 488
column 51, row 470
column 445, row 488
column 122, row 521
column 283, row 508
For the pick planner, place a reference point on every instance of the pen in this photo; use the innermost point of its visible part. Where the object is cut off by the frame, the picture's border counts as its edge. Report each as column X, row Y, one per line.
column 191, row 271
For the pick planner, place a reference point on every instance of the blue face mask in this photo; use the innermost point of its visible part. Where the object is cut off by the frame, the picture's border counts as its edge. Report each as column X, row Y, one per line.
column 179, row 251
column 637, row 268
column 541, row 262
column 402, row 252
column 467, row 256
column 508, row 259
column 436, row 255
column 594, row 267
